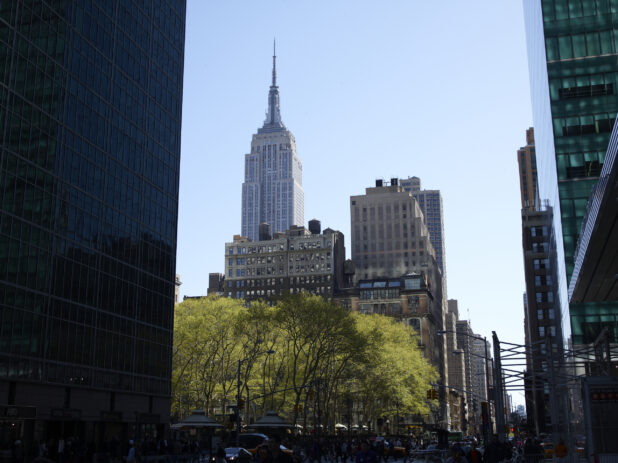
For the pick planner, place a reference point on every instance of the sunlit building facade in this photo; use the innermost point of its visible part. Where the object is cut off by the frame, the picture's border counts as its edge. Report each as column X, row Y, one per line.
column 272, row 192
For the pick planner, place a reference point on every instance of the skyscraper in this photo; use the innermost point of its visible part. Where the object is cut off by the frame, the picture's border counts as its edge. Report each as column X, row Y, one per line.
column 542, row 312
column 389, row 236
column 90, row 116
column 526, row 160
column 574, row 77
column 430, row 202
column 272, row 192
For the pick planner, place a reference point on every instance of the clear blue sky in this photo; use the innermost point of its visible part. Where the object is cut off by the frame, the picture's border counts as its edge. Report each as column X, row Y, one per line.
column 437, row 90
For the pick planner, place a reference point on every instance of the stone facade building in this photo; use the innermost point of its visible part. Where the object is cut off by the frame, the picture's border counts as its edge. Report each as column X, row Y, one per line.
column 389, row 236
column 430, row 202
column 283, row 263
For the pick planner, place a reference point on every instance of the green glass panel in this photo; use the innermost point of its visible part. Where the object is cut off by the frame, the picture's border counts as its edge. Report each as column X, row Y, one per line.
column 565, row 47
column 592, row 43
column 548, row 10
column 579, row 45
column 575, row 9
column 607, row 42
column 551, row 45
column 562, row 11
column 589, row 7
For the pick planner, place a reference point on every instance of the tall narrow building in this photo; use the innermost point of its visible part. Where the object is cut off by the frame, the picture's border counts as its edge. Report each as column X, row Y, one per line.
column 430, row 202
column 272, row 192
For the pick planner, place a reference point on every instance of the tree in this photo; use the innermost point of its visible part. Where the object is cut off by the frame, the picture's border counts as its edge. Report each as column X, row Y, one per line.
column 322, row 356
column 204, row 352
column 394, row 372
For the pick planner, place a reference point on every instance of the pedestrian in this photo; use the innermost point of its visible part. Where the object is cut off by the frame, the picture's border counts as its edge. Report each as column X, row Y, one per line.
column 220, row 454
column 274, row 453
column 366, row 454
column 131, row 452
column 493, row 451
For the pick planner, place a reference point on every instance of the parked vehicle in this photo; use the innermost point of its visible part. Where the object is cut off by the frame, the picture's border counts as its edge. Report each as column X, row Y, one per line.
column 237, row 454
column 252, row 441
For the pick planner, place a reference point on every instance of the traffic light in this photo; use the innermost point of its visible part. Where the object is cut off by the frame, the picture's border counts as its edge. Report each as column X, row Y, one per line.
column 241, row 403
column 432, row 394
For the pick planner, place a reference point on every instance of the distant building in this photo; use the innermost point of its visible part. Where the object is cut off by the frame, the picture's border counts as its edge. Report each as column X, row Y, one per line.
column 284, row 263
column 409, row 299
column 216, row 282
column 464, row 345
column 456, row 369
column 389, row 235
column 177, row 289
column 542, row 314
column 430, row 202
column 543, row 319
column 390, row 239
column 526, row 160
column 272, row 192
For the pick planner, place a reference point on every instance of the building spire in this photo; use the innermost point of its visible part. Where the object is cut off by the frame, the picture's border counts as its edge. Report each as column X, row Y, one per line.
column 274, row 64
column 273, row 115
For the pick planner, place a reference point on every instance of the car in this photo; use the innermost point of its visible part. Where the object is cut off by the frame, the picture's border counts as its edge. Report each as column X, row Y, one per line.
column 252, row 441
column 237, row 454
column 262, row 449
column 548, row 449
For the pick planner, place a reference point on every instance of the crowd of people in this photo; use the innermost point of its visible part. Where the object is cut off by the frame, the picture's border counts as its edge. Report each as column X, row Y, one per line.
column 301, row 449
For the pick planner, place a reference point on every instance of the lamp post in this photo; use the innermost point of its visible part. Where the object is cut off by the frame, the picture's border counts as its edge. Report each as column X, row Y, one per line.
column 240, row 362
column 488, row 425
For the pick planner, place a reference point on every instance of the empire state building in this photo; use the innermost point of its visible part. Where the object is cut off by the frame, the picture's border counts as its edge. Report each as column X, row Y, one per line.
column 273, row 188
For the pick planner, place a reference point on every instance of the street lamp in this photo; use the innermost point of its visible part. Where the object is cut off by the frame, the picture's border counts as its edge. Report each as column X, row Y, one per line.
column 240, row 362
column 487, row 359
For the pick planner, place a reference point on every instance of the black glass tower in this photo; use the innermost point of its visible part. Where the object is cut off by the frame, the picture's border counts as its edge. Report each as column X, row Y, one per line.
column 90, row 117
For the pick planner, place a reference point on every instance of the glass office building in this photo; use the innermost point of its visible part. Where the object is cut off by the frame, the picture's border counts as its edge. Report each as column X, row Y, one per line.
column 573, row 60
column 90, row 116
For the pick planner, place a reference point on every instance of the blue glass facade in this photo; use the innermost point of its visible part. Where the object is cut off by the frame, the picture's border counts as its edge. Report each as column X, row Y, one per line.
column 90, row 115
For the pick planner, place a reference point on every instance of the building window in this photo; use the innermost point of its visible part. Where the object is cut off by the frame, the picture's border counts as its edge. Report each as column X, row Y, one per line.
column 539, row 314
column 542, row 331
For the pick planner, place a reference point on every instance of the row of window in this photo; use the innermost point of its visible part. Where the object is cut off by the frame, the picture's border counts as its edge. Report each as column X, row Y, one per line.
column 557, row 10
column 584, row 125
column 583, row 86
column 538, row 231
column 551, row 314
column 321, row 290
column 543, row 280
column 550, row 331
column 579, row 45
column 547, row 296
column 280, row 270
column 298, row 257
